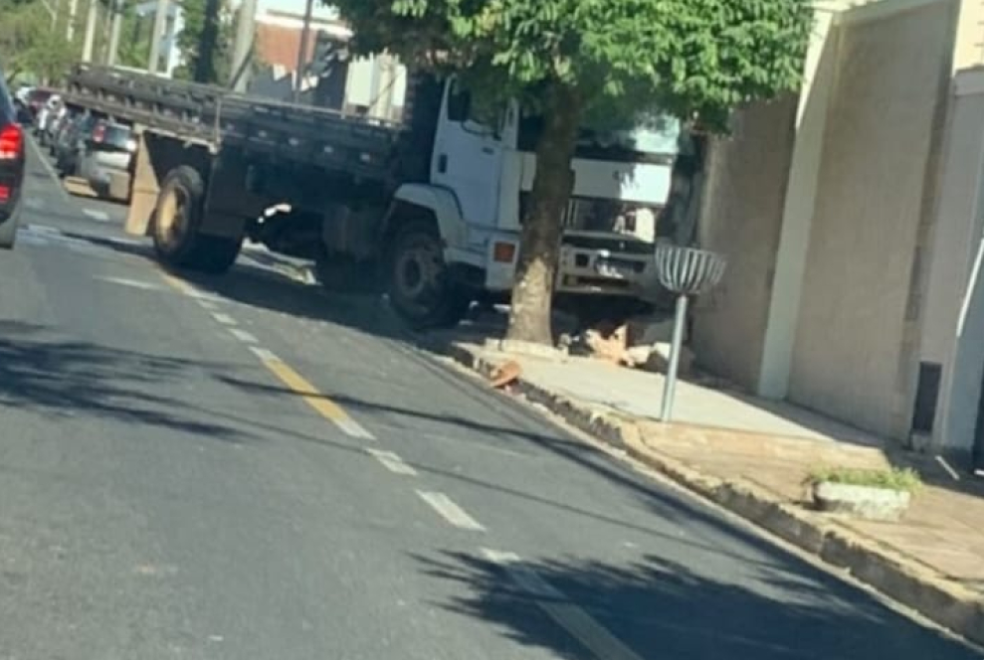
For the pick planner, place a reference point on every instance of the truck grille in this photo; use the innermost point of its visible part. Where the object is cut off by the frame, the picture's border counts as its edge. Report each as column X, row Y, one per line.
column 604, row 215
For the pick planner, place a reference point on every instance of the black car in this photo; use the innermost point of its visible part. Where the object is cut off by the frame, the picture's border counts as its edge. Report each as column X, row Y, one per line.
column 71, row 143
column 12, row 158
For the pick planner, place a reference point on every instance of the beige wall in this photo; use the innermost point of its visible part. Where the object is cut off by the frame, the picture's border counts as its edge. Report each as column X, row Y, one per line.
column 741, row 218
column 954, row 321
column 853, row 354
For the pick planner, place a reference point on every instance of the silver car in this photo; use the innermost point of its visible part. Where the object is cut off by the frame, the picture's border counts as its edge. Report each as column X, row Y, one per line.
column 106, row 160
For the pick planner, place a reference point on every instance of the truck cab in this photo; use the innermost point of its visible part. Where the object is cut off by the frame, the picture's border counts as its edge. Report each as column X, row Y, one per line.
column 483, row 169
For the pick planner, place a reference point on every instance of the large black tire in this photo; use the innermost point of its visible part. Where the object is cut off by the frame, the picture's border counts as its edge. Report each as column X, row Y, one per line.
column 178, row 240
column 419, row 284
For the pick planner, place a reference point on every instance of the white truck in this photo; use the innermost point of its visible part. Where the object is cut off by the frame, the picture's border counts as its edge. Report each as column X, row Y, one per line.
column 430, row 209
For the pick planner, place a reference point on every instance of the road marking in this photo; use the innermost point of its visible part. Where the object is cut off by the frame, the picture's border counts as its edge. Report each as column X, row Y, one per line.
column 97, row 215
column 450, row 511
column 264, row 354
column 392, row 462
column 243, row 336
column 321, row 404
column 591, row 634
column 206, row 304
column 187, row 288
column 179, row 284
column 50, row 170
column 34, row 204
column 136, row 284
column 43, row 229
column 224, row 319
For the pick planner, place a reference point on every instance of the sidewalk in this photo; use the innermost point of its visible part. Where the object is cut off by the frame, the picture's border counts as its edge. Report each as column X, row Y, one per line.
column 751, row 456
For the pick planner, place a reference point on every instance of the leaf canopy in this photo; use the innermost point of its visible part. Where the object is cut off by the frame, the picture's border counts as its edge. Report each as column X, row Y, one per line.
column 689, row 57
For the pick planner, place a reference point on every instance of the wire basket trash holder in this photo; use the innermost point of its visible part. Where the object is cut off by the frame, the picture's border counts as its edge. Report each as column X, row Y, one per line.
column 688, row 271
column 685, row 272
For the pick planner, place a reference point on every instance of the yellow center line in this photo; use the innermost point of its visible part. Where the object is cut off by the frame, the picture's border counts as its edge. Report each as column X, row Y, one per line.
column 303, row 388
column 294, row 381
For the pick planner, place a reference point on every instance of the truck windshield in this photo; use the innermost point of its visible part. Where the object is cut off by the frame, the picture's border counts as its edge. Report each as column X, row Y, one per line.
column 652, row 139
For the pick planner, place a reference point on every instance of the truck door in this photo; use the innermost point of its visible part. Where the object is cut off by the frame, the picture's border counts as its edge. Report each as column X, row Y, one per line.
column 467, row 157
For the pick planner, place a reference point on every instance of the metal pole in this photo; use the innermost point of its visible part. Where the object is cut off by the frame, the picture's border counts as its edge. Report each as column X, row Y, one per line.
column 90, row 30
column 73, row 8
column 114, row 33
column 157, row 36
column 302, row 54
column 245, row 30
column 669, row 387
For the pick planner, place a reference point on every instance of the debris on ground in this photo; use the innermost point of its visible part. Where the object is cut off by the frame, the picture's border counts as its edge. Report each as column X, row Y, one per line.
column 506, row 374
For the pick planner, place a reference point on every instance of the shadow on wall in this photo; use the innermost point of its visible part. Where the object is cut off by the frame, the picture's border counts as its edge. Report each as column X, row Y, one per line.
column 662, row 609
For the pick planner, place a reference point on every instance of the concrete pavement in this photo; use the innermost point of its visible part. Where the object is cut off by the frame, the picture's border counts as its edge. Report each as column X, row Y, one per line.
column 243, row 467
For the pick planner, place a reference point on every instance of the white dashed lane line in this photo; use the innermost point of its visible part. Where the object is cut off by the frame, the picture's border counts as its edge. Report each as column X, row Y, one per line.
column 450, row 511
column 97, row 215
column 243, row 336
column 264, row 354
column 224, row 319
column 585, row 629
column 392, row 462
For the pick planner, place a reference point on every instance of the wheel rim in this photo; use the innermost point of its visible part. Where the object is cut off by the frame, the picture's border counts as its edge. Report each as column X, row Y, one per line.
column 419, row 272
column 172, row 218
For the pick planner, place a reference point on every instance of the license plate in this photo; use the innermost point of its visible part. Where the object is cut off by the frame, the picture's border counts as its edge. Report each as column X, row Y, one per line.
column 615, row 268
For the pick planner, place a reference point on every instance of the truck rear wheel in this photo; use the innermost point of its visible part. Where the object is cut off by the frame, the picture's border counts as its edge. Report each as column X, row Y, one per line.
column 419, row 285
column 178, row 240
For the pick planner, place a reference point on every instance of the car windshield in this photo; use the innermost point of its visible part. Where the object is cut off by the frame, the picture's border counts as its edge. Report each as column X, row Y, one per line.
column 116, row 135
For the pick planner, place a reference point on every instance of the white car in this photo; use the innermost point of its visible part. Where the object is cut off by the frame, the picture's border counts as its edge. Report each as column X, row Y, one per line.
column 49, row 111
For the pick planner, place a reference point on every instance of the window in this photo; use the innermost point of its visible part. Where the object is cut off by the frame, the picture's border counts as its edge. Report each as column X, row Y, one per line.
column 459, row 104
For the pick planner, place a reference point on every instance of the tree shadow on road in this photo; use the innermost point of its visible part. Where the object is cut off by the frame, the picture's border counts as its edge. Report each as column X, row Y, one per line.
column 660, row 609
column 73, row 379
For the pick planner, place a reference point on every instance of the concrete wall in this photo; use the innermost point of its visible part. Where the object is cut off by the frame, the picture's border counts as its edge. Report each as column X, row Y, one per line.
column 953, row 327
column 741, row 218
column 853, row 354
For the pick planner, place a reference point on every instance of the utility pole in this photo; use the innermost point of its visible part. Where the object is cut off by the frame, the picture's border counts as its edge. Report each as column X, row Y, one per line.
column 114, row 33
column 90, row 30
column 157, row 36
column 243, row 46
column 73, row 8
column 302, row 51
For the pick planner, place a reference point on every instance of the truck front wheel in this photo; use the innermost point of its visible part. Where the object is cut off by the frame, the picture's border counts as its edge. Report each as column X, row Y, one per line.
column 177, row 235
column 419, row 285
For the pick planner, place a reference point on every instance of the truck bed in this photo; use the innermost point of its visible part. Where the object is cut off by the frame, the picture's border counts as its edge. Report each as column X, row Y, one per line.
column 219, row 118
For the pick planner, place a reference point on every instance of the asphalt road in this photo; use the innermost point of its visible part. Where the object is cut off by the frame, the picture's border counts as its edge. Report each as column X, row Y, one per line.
column 247, row 468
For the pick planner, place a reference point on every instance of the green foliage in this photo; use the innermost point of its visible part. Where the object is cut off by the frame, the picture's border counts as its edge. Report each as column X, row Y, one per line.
column 906, row 479
column 30, row 44
column 205, row 41
column 693, row 58
column 134, row 48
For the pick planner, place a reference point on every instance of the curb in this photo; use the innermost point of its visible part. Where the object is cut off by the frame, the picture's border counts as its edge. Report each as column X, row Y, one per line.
column 899, row 577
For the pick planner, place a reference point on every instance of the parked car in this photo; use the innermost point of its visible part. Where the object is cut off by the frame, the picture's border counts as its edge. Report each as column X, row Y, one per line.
column 12, row 160
column 62, row 124
column 106, row 159
column 37, row 97
column 47, row 116
column 72, row 142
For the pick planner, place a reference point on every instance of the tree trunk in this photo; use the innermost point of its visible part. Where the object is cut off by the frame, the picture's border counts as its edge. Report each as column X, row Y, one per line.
column 204, row 71
column 539, row 250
